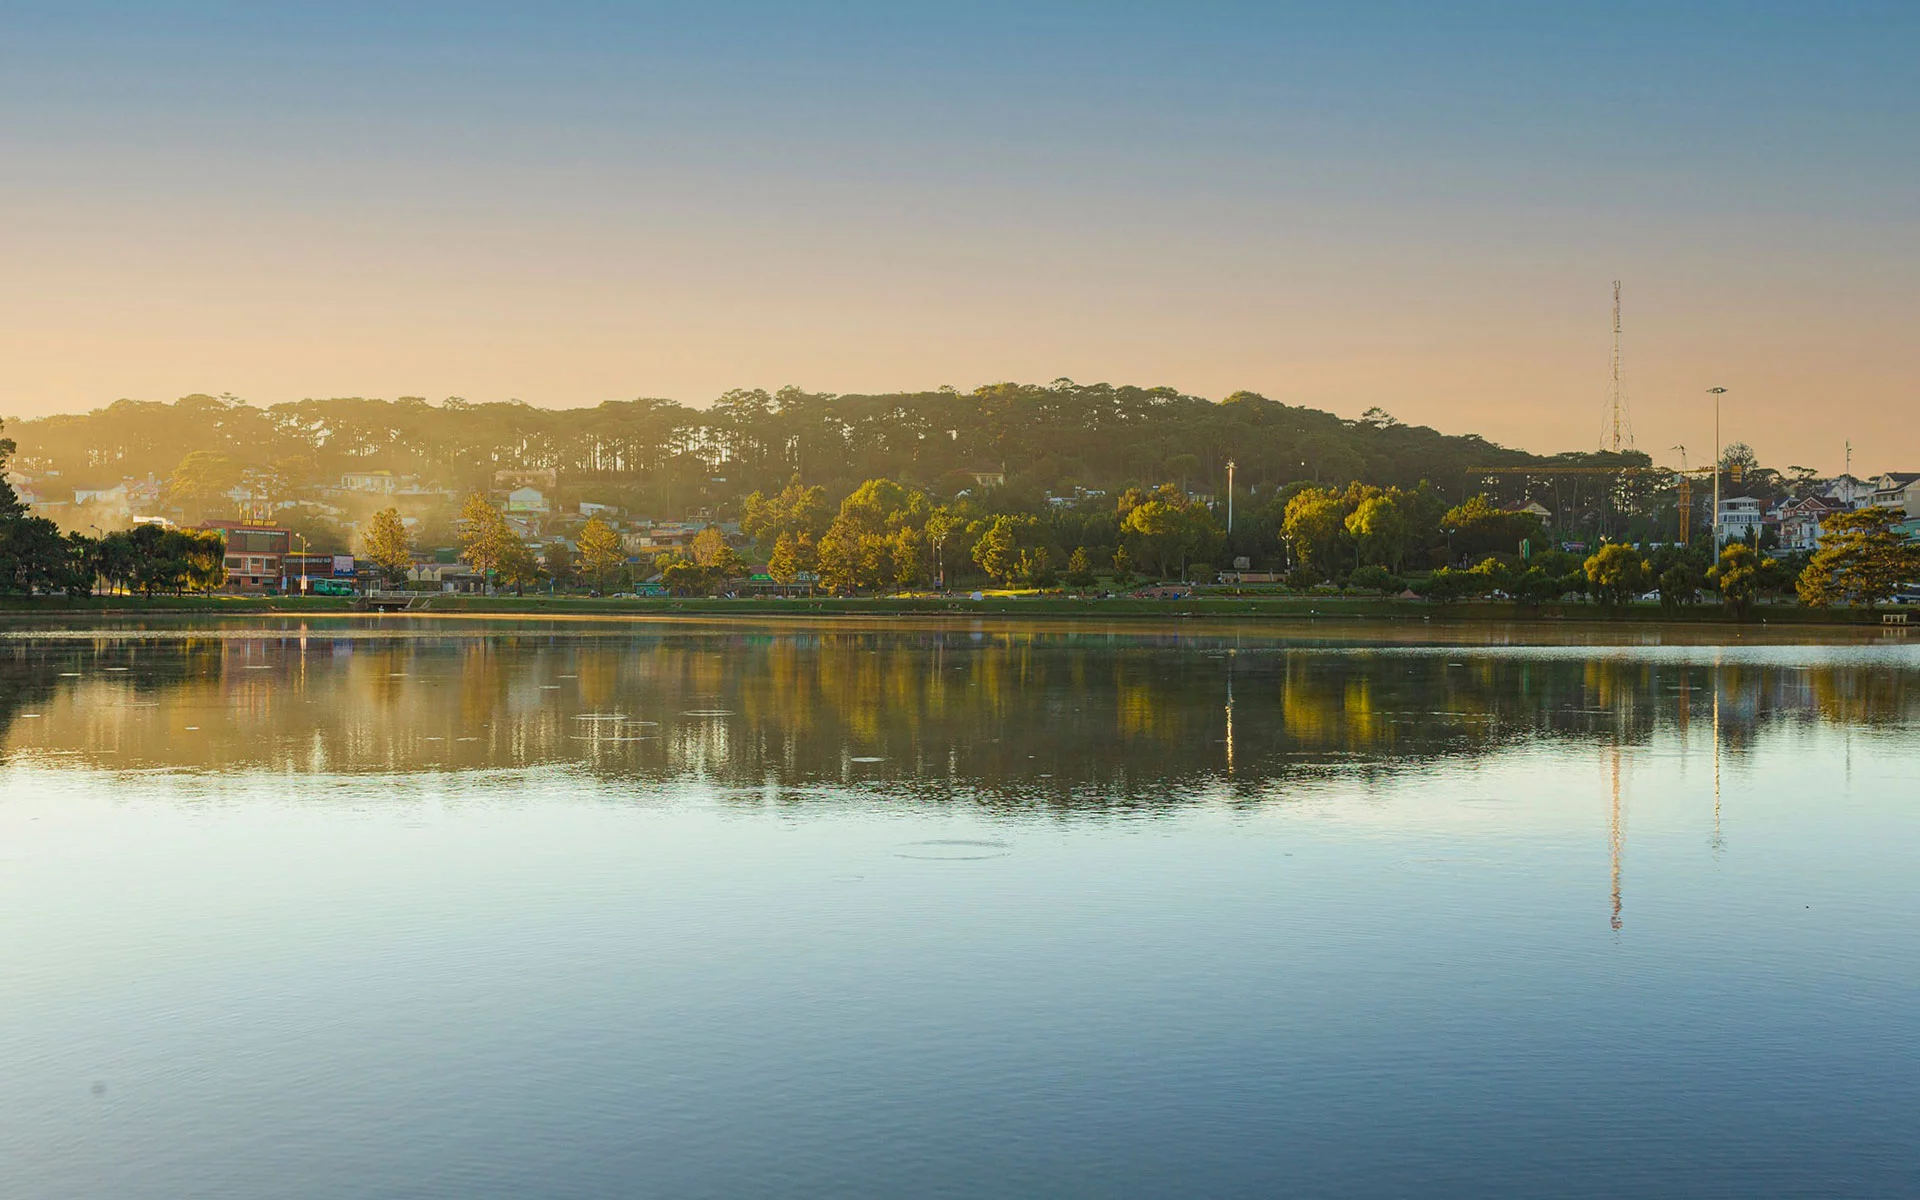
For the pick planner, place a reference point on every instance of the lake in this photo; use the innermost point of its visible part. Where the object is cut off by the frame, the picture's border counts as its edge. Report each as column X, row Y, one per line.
column 445, row 908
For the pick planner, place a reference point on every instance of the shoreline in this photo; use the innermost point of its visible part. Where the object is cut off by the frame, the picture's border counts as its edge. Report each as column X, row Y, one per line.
column 1303, row 608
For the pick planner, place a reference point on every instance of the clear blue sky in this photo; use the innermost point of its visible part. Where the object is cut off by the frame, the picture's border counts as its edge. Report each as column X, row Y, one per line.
column 1418, row 206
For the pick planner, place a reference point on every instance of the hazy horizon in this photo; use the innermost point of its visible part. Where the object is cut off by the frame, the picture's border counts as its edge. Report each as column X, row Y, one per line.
column 1378, row 206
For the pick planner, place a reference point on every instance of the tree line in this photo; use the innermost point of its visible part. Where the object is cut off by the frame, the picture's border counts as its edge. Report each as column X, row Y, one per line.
column 651, row 453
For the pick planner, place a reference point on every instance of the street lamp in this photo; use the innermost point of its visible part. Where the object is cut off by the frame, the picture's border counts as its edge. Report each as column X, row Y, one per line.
column 304, row 555
column 1716, row 393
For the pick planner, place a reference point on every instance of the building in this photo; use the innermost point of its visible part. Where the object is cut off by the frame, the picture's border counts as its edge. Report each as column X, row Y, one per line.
column 447, row 576
column 527, row 500
column 547, row 478
column 254, row 554
column 1800, row 522
column 111, row 496
column 1844, row 490
column 375, row 483
column 988, row 478
column 1534, row 508
column 1897, row 490
column 1740, row 519
column 653, row 537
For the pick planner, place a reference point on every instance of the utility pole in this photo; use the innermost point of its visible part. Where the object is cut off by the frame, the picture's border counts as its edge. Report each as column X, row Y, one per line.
column 1716, row 393
column 1686, row 499
column 1229, row 495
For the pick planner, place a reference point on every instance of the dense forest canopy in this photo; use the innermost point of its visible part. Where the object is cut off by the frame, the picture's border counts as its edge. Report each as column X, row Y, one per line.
column 664, row 456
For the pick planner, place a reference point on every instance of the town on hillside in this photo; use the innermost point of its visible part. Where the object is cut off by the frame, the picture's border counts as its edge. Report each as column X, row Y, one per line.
column 1143, row 490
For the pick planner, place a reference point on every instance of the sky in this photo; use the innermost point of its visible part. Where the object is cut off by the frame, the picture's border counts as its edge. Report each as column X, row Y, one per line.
column 1415, row 206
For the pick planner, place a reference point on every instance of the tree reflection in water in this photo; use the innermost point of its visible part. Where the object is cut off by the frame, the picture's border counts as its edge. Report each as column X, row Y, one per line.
column 1009, row 715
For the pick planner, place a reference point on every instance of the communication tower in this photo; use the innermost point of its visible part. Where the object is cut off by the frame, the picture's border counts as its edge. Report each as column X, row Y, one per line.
column 1616, row 433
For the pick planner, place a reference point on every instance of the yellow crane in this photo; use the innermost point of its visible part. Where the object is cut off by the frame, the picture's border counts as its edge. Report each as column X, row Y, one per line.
column 1681, row 478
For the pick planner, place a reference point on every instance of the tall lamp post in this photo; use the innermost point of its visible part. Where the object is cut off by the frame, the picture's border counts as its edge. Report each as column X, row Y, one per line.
column 1229, row 496
column 1716, row 393
column 304, row 555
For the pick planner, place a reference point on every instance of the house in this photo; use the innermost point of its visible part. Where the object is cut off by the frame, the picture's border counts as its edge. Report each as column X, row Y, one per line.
column 526, row 500
column 1844, row 490
column 1740, row 519
column 1800, row 522
column 590, row 510
column 446, row 576
column 1534, row 508
column 1898, row 490
column 988, row 479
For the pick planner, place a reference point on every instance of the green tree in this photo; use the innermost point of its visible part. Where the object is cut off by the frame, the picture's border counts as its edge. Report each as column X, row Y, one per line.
column 199, row 484
column 1080, row 568
column 1374, row 578
column 907, row 549
column 1680, row 584
column 387, row 543
column 710, row 549
column 796, row 511
column 1737, row 577
column 1446, row 584
column 793, row 556
column 1536, row 586
column 1479, row 526
column 682, row 576
column 1381, row 529
column 602, row 554
column 998, row 550
column 1315, row 521
column 1617, row 573
column 1861, row 560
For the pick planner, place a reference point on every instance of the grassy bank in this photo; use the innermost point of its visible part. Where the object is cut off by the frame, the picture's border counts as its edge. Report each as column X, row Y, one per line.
column 219, row 605
column 1295, row 607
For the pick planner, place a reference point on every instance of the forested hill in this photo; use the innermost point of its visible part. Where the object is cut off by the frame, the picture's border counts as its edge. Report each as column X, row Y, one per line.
column 658, row 452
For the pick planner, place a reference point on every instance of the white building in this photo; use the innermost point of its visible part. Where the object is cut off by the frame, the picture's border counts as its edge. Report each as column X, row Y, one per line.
column 526, row 500
column 1740, row 519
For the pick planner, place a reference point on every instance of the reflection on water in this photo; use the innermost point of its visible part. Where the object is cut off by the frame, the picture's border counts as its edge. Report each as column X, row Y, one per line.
column 1003, row 716
column 452, row 909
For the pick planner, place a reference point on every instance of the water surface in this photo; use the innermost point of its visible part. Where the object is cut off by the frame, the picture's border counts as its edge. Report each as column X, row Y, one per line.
column 466, row 908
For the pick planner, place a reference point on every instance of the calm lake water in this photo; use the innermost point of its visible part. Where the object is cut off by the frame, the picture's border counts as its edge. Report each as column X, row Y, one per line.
column 469, row 909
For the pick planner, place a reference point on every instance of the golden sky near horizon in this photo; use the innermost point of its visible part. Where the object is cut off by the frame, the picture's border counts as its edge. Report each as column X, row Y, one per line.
column 567, row 213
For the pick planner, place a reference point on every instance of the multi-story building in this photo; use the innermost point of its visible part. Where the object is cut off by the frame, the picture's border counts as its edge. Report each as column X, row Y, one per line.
column 1898, row 490
column 254, row 554
column 1800, row 522
column 1740, row 519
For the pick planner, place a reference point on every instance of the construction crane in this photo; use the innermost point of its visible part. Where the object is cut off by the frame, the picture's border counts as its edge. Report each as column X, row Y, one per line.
column 1681, row 480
